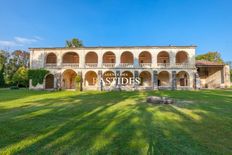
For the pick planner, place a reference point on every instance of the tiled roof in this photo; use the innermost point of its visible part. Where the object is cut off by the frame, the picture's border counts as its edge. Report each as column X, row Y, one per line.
column 207, row 63
column 92, row 47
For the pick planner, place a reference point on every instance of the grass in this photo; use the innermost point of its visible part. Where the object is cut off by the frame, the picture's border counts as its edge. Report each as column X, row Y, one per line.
column 40, row 122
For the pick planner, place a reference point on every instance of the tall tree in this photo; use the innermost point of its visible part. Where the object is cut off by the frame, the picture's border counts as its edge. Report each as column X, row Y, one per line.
column 231, row 75
column 2, row 81
column 75, row 42
column 210, row 56
column 20, row 77
column 2, row 67
column 15, row 60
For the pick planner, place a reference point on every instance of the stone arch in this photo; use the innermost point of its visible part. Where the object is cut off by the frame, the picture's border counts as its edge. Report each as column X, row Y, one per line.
column 164, row 78
column 126, row 78
column 163, row 57
column 49, row 81
column 68, row 79
column 109, row 78
column 70, row 57
column 183, row 78
column 182, row 57
column 90, row 78
column 51, row 58
column 145, row 57
column 127, row 57
column 109, row 57
column 91, row 57
column 145, row 77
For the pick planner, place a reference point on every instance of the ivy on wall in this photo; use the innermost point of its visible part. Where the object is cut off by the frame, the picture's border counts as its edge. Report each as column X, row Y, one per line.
column 37, row 75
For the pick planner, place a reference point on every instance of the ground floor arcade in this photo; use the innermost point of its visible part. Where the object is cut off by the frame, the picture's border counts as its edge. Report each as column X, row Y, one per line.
column 125, row 79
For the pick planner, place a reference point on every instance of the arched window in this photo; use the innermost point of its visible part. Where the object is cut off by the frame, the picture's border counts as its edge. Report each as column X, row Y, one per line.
column 91, row 57
column 68, row 79
column 49, row 81
column 182, row 78
column 145, row 78
column 127, row 57
column 70, row 57
column 182, row 57
column 163, row 57
column 163, row 79
column 51, row 58
column 90, row 78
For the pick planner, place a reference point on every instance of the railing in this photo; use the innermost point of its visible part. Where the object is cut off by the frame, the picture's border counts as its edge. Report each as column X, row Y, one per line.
column 123, row 65
column 126, row 65
column 183, row 87
column 90, row 65
column 177, row 65
column 51, row 65
column 70, row 65
column 145, row 65
column 108, row 65
column 184, row 65
column 164, row 87
column 163, row 65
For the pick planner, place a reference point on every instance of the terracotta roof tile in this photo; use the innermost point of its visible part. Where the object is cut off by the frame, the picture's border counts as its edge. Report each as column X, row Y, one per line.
column 207, row 63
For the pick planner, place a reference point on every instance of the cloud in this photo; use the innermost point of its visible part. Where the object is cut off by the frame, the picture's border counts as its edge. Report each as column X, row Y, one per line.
column 7, row 43
column 22, row 40
column 19, row 41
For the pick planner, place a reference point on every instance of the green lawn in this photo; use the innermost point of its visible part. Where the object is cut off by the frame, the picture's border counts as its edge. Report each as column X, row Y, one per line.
column 40, row 122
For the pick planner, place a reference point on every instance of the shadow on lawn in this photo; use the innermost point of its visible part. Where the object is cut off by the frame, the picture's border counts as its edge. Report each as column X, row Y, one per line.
column 110, row 123
column 12, row 95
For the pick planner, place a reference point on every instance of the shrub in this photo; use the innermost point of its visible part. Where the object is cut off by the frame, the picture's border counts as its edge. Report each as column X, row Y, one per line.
column 14, row 87
column 37, row 75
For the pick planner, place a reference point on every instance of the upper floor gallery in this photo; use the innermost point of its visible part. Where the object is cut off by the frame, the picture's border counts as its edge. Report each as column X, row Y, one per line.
column 114, row 57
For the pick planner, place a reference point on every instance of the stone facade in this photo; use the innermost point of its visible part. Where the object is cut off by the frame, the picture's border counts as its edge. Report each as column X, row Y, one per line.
column 213, row 75
column 159, row 67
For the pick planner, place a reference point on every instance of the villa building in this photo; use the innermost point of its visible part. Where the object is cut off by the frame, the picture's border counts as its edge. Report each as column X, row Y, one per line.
column 157, row 67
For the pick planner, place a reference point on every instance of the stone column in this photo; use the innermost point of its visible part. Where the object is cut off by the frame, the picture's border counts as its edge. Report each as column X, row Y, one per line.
column 57, row 79
column 117, row 57
column 81, row 82
column 173, row 80
column 117, row 84
column 82, row 59
column 100, row 82
column 172, row 58
column 43, row 61
column 155, row 80
column 136, row 58
column 59, row 58
column 100, row 55
column 197, row 81
column 222, row 75
column 136, row 75
column 154, row 58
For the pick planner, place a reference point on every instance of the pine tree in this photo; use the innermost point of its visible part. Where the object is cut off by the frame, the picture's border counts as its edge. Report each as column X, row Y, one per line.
column 2, row 81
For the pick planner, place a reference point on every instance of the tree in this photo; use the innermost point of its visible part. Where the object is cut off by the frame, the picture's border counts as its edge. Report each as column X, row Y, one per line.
column 2, row 67
column 2, row 81
column 78, row 80
column 21, row 77
column 15, row 60
column 231, row 75
column 210, row 56
column 75, row 42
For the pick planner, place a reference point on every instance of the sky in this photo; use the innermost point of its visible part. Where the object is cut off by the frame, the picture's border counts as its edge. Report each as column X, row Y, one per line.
column 48, row 23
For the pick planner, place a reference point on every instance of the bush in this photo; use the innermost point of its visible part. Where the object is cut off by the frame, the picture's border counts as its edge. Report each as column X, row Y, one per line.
column 78, row 80
column 14, row 87
column 37, row 75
